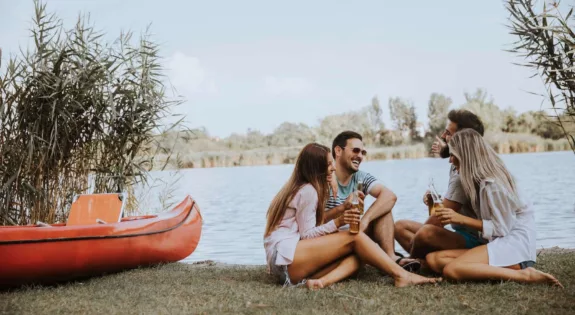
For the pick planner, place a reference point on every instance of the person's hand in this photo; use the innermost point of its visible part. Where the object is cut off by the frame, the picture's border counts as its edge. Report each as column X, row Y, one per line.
column 348, row 217
column 347, row 203
column 427, row 192
column 438, row 145
column 448, row 216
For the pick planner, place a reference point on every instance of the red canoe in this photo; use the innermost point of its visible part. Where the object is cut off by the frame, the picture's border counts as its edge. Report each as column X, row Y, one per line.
column 32, row 254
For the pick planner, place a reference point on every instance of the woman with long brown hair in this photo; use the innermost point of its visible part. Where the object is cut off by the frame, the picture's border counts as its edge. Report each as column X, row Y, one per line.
column 300, row 246
column 506, row 221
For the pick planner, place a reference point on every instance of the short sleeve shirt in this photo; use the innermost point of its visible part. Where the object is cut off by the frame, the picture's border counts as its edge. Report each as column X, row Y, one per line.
column 456, row 193
column 343, row 192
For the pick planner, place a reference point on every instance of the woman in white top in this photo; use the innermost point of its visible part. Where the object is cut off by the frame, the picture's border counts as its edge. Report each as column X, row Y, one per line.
column 505, row 220
column 300, row 246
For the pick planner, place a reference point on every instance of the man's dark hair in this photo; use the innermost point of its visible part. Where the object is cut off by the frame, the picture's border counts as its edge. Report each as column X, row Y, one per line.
column 466, row 119
column 341, row 140
column 463, row 119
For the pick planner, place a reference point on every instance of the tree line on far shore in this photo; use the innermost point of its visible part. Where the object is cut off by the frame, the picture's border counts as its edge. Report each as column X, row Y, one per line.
column 406, row 128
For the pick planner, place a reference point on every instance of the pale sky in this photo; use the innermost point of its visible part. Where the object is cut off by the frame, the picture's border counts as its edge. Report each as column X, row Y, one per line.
column 255, row 64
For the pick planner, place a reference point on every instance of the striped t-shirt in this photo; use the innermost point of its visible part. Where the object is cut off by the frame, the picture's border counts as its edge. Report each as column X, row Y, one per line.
column 343, row 192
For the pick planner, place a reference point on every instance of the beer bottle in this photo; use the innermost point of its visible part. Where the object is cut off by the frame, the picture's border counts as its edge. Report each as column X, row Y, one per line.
column 355, row 204
column 359, row 188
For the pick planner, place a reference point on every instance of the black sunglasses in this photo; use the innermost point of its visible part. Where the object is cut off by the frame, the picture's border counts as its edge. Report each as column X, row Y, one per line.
column 357, row 150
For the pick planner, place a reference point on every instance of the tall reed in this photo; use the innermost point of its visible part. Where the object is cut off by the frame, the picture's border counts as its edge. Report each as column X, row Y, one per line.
column 546, row 39
column 77, row 115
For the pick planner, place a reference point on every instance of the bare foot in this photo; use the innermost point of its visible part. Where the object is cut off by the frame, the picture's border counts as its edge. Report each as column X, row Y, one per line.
column 536, row 276
column 314, row 284
column 409, row 278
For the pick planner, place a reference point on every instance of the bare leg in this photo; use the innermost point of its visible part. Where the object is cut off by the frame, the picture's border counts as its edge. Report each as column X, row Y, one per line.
column 405, row 232
column 430, row 238
column 313, row 254
column 334, row 272
column 372, row 254
column 474, row 265
column 383, row 233
column 438, row 260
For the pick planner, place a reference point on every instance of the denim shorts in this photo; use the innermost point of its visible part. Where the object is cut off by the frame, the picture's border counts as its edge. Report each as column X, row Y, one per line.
column 282, row 274
column 526, row 264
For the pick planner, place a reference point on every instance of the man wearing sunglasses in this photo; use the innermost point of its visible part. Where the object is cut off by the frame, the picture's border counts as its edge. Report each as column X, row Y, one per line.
column 377, row 222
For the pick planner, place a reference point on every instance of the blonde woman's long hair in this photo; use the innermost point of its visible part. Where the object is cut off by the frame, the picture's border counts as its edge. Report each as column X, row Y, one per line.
column 310, row 168
column 478, row 161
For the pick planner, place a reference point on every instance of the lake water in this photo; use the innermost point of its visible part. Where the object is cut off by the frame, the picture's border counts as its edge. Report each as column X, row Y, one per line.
column 234, row 201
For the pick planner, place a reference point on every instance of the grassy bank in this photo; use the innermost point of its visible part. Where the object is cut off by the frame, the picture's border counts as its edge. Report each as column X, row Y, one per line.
column 210, row 155
column 215, row 289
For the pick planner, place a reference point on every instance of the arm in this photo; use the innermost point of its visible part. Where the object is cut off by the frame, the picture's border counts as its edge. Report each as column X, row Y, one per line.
column 497, row 211
column 334, row 212
column 448, row 216
column 434, row 220
column 384, row 201
column 306, row 207
column 472, row 223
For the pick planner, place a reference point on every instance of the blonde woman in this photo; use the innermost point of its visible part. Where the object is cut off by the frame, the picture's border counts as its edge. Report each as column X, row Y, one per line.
column 300, row 246
column 506, row 221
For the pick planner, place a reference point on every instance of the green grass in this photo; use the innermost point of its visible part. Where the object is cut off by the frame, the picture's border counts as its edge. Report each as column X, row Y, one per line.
column 212, row 289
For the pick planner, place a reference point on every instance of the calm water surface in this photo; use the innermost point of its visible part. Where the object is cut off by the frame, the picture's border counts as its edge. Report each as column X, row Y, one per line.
column 233, row 201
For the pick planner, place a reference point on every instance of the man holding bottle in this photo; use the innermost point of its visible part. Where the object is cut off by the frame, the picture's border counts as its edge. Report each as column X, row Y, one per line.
column 419, row 239
column 377, row 221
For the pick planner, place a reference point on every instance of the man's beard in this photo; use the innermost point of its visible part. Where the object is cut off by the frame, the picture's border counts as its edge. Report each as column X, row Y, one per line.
column 351, row 169
column 444, row 152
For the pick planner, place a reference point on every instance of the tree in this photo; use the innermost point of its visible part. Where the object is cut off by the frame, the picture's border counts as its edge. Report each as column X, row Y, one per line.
column 331, row 125
column 404, row 117
column 437, row 110
column 290, row 134
column 374, row 113
column 510, row 123
column 547, row 40
column 485, row 108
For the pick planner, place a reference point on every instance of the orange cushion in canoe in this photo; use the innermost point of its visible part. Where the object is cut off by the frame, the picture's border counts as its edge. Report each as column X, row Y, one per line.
column 95, row 208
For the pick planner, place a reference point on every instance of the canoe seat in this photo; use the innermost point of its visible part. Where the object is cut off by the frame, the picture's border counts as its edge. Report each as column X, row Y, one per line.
column 97, row 209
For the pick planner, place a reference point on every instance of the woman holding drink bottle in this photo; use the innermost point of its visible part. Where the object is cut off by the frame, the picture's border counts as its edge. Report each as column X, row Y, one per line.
column 303, row 250
column 505, row 220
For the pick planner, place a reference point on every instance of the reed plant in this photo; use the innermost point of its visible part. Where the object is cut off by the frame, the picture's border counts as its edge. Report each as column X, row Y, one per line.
column 77, row 115
column 546, row 40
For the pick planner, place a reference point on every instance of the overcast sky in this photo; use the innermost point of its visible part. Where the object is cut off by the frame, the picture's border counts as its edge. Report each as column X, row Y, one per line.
column 255, row 64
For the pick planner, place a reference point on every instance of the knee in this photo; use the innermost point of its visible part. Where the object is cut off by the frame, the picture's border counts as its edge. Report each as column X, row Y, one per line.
column 361, row 237
column 357, row 262
column 451, row 271
column 431, row 260
column 425, row 234
column 400, row 226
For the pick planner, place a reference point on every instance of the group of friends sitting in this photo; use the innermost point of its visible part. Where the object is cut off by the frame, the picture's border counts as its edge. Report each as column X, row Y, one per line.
column 492, row 237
